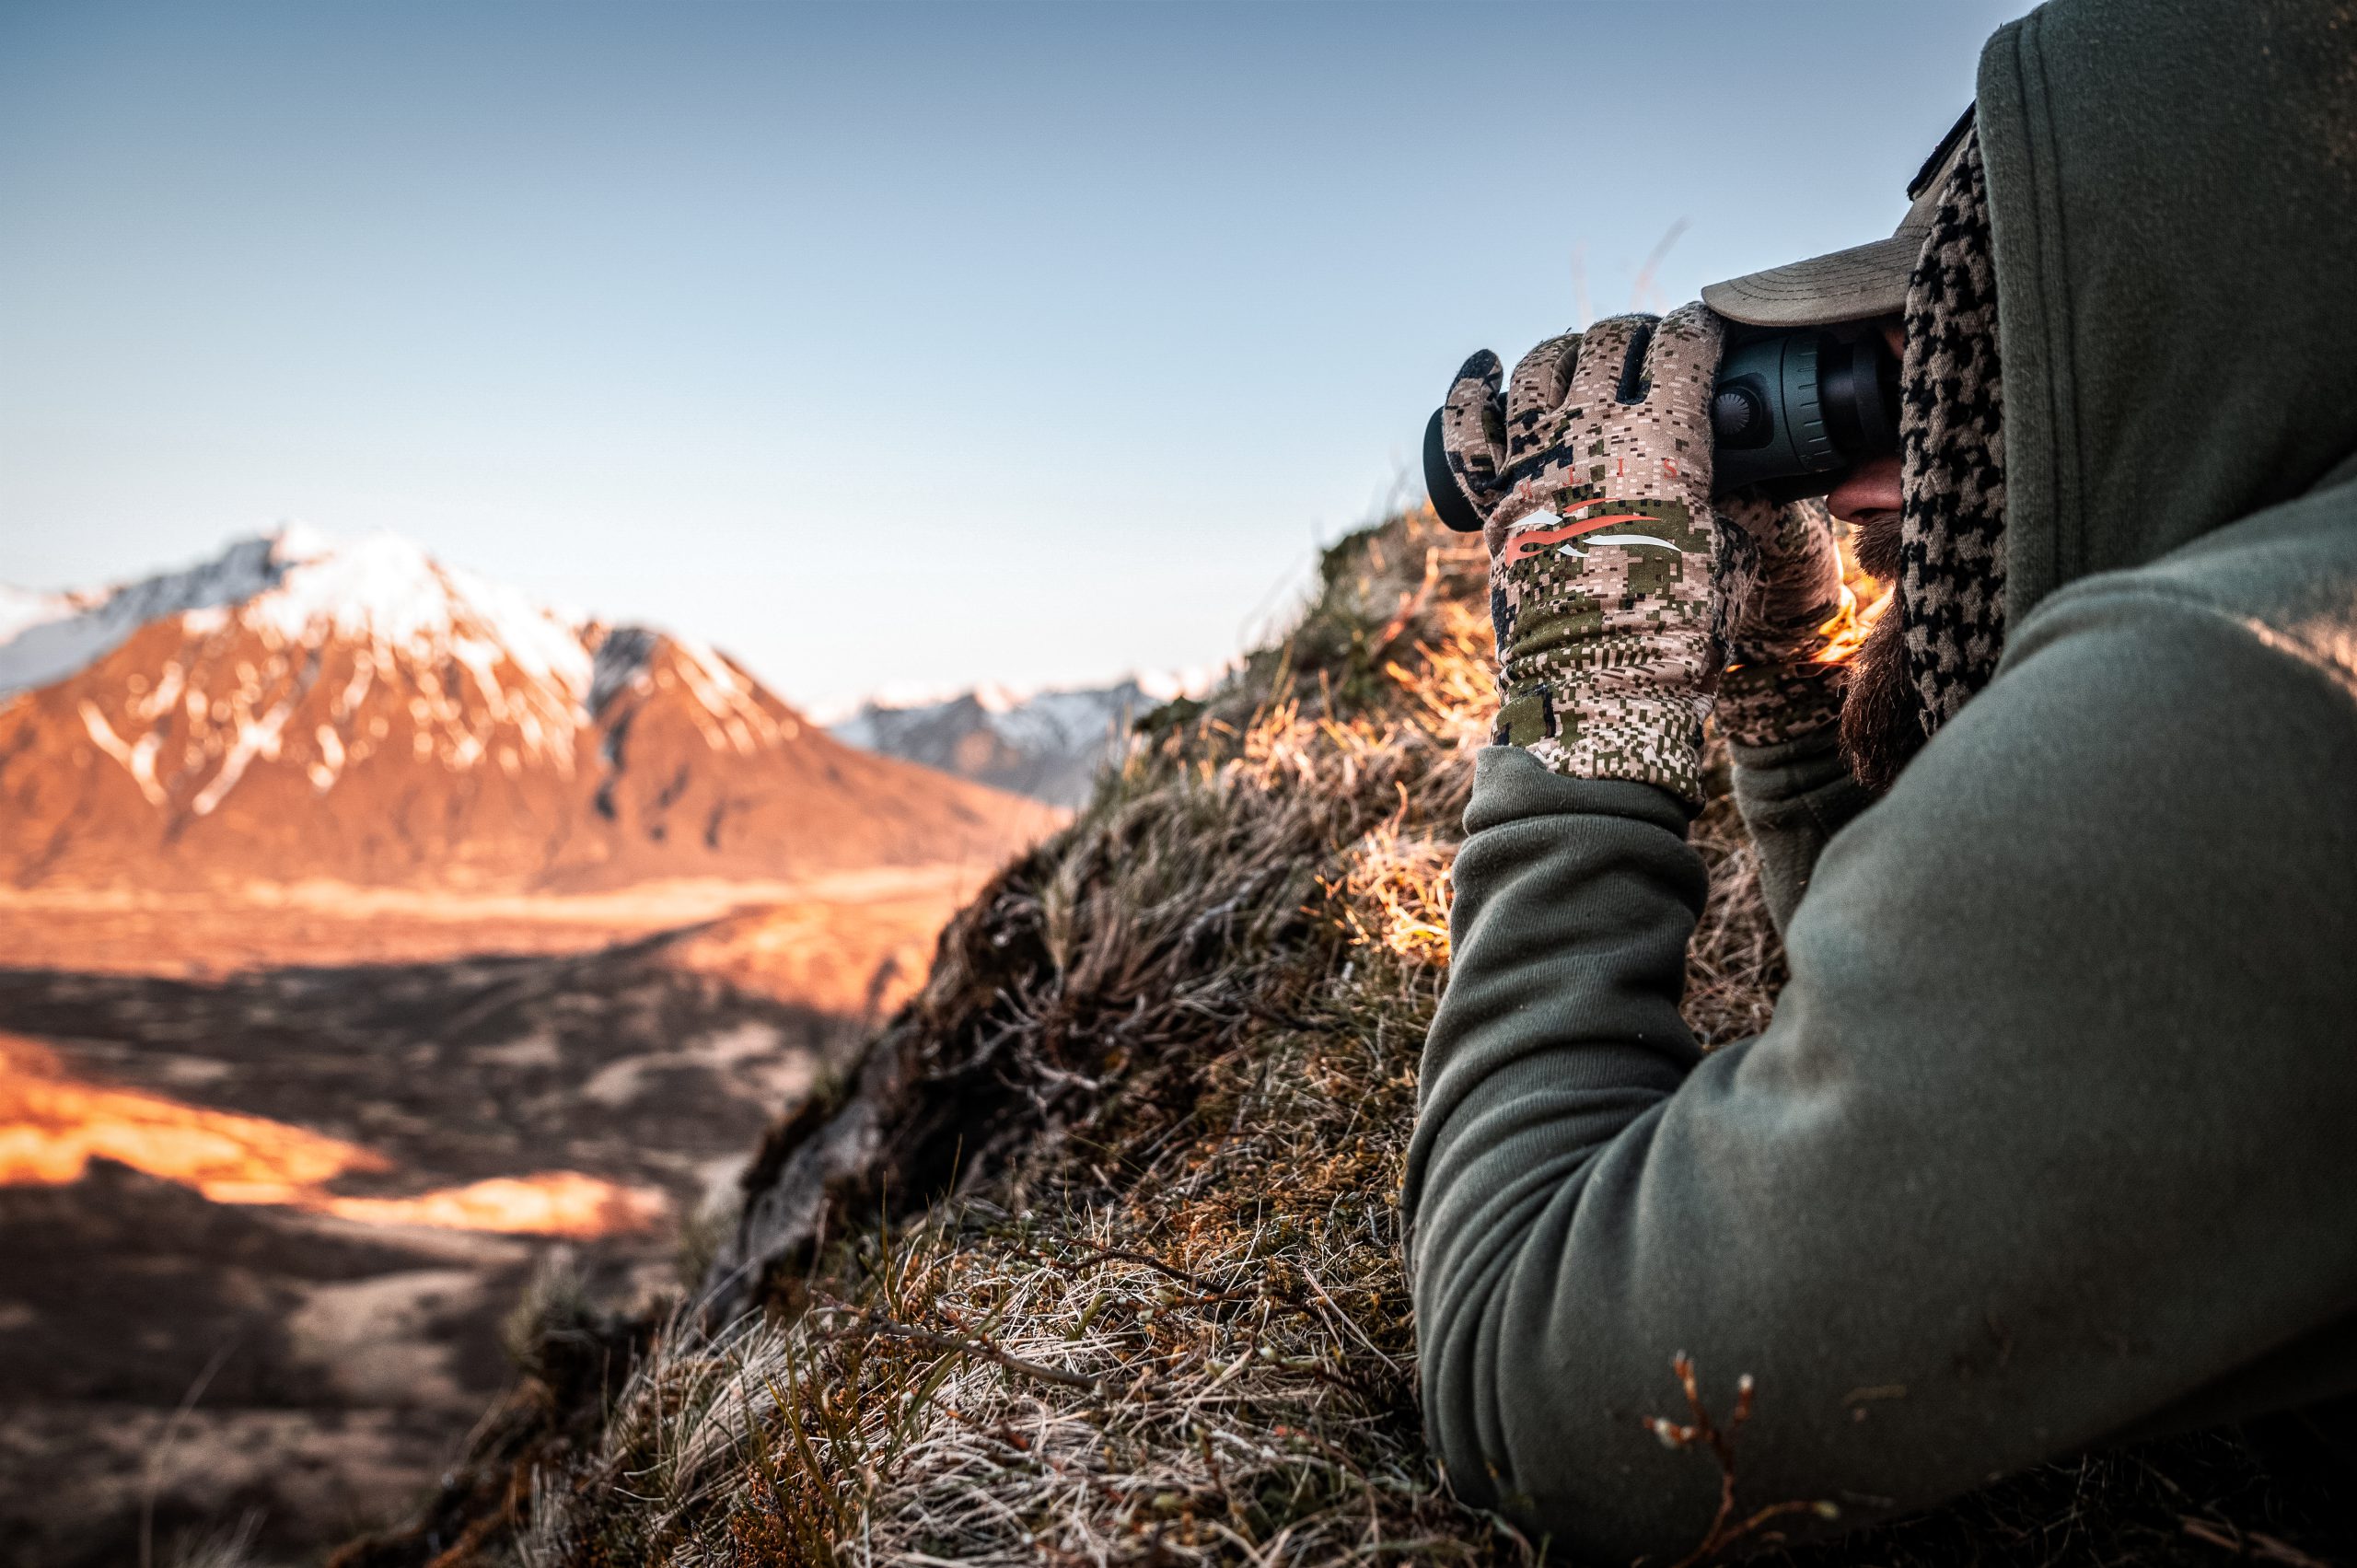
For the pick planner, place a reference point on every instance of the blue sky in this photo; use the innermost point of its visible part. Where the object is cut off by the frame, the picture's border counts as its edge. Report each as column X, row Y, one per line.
column 886, row 346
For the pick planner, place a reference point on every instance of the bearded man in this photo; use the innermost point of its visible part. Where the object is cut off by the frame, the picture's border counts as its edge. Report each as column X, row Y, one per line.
column 2052, row 1141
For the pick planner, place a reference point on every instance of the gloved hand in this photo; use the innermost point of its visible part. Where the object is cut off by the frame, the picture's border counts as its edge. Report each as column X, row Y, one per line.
column 1784, row 577
column 1593, row 479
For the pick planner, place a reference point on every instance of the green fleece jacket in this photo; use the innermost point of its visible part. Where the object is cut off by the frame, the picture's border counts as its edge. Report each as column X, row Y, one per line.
column 2053, row 1137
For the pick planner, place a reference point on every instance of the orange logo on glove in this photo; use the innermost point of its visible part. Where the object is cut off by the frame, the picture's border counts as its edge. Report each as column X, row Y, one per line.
column 1532, row 542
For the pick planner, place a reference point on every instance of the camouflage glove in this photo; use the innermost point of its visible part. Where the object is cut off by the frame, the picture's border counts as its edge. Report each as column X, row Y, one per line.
column 1786, row 579
column 1593, row 478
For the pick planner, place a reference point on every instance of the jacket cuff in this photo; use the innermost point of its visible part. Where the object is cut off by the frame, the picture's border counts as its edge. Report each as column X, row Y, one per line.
column 1510, row 784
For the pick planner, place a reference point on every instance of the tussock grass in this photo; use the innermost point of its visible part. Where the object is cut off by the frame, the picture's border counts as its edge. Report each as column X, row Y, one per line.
column 1126, row 1285
column 1093, row 1257
column 229, row 1546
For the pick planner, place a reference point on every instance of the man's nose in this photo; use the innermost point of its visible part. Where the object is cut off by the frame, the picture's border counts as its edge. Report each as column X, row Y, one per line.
column 1869, row 491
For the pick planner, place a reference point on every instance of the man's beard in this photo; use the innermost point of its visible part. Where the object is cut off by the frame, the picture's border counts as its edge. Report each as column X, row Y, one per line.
column 1882, row 725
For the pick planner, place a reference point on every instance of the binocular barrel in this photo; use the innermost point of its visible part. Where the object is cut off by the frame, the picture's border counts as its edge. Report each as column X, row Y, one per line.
column 1798, row 406
column 1790, row 413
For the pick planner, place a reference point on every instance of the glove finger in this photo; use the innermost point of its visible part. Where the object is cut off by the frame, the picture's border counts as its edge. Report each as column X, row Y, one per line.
column 1682, row 370
column 1802, row 531
column 1737, row 576
column 1794, row 539
column 1751, row 512
column 1473, row 428
column 1748, row 522
column 1794, row 587
column 1683, row 359
column 1804, row 559
column 1535, row 393
column 1604, row 356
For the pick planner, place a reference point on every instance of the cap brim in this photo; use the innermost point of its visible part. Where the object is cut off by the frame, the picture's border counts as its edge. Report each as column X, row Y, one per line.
column 1856, row 285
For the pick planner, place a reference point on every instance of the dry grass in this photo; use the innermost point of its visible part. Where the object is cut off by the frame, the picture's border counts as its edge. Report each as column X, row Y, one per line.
column 1166, row 1320
column 1095, row 1259
column 229, row 1546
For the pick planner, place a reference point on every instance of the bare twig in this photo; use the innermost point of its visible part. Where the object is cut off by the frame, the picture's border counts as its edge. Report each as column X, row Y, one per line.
column 154, row 1478
column 1349, row 1322
column 2253, row 1544
column 881, row 1327
column 1145, row 1260
column 1725, row 1529
column 1659, row 253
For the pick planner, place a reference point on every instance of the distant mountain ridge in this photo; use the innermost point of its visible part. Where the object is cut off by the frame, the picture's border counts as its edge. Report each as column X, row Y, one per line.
column 297, row 709
column 44, row 637
column 1048, row 745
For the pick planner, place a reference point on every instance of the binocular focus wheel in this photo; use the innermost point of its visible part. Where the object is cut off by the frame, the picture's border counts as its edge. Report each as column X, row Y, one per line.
column 1735, row 411
column 1440, row 485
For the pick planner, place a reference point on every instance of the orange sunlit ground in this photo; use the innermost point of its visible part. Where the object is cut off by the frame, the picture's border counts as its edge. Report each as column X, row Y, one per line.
column 1864, row 599
column 1863, row 603
column 52, row 1125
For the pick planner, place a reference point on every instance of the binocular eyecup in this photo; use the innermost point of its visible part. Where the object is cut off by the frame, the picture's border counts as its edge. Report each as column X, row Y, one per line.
column 1790, row 413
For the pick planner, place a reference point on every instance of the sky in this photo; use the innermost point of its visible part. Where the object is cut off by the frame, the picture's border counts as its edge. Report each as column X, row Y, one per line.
column 890, row 348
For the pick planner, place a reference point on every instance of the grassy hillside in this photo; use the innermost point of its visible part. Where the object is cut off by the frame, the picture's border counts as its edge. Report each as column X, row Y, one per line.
column 1092, row 1256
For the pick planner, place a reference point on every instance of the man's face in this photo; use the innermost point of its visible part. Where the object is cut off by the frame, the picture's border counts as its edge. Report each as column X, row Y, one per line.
column 1870, row 491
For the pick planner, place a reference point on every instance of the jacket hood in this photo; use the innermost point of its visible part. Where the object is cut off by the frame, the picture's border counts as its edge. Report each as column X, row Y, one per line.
column 2172, row 192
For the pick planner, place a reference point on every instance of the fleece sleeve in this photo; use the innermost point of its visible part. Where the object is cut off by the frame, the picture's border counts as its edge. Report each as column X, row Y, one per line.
column 1794, row 797
column 2050, row 1132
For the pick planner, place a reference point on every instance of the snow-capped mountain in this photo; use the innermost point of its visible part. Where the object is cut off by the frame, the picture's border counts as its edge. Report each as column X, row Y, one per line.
column 44, row 637
column 297, row 708
column 1048, row 745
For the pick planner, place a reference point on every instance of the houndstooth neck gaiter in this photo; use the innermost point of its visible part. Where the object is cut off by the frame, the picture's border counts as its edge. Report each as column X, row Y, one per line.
column 1952, row 442
column 1939, row 643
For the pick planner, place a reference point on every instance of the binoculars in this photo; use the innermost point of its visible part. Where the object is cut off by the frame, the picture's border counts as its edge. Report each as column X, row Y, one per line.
column 1790, row 413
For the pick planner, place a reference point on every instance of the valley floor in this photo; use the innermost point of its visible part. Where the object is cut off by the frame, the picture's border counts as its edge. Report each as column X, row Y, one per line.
column 221, row 1122
column 265, row 926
